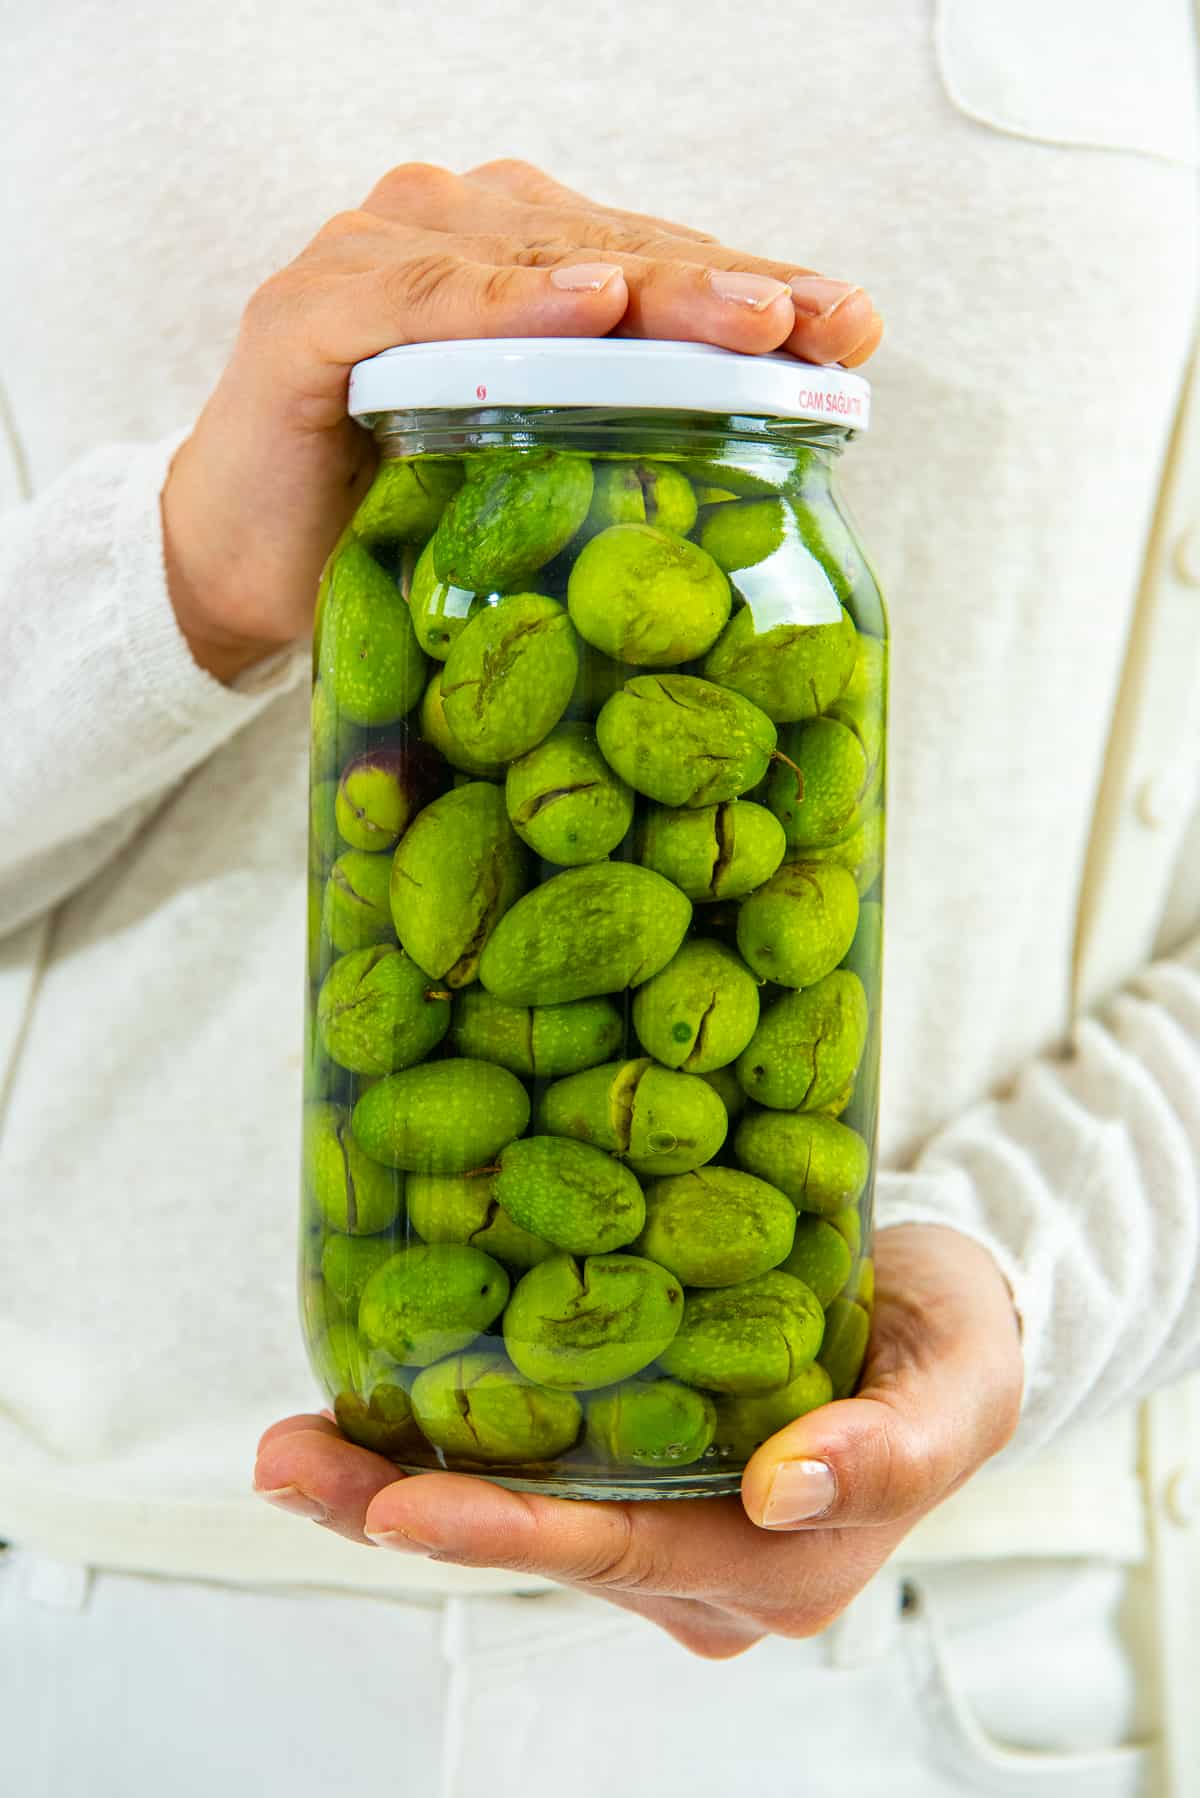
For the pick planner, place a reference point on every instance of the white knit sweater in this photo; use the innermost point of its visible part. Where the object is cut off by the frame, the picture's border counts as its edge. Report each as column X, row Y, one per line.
column 1026, row 218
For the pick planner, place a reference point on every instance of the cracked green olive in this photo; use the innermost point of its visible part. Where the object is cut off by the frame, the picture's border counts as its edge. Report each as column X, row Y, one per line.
column 564, row 800
column 457, row 870
column 659, row 1121
column 650, row 1423
column 356, row 912
column 818, row 793
column 370, row 660
column 345, row 1361
column 542, row 1040
column 745, row 1423
column 586, row 931
column 643, row 595
column 379, row 794
column 480, row 1407
column 820, row 1164
column 509, row 676
column 428, row 1300
column 796, row 928
column 436, row 731
column 712, row 852
column 347, row 1263
column 377, row 1012
column 861, row 854
column 789, row 670
column 699, row 1012
column 847, row 1333
column 569, row 1193
column 820, row 1257
column 807, row 1046
column 639, row 493
column 384, row 1423
column 685, row 741
column 747, row 1338
column 464, row 1208
column 716, row 1226
column 406, row 499
column 355, row 1194
column 515, row 511
column 442, row 1117
column 577, row 1324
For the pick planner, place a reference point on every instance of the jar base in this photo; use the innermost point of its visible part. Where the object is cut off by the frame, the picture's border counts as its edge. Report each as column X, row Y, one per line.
column 680, row 1485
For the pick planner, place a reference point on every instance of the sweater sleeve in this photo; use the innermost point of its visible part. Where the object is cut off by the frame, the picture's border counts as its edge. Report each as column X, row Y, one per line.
column 1083, row 1181
column 104, row 707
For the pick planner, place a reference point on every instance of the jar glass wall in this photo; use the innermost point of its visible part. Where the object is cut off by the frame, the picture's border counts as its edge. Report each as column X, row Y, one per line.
column 594, row 947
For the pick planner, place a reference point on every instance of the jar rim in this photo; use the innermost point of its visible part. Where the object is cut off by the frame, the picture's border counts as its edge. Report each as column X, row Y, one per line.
column 615, row 373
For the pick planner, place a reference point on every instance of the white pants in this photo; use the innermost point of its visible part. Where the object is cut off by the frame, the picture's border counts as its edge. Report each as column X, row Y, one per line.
column 1010, row 1678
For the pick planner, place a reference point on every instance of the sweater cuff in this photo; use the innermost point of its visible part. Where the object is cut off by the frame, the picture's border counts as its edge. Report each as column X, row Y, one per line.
column 177, row 694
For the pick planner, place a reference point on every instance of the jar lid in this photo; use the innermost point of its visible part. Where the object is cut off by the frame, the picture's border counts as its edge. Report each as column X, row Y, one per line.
column 616, row 373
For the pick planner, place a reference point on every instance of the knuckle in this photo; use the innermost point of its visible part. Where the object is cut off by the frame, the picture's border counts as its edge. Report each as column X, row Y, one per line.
column 352, row 223
column 499, row 287
column 513, row 169
column 621, row 1566
column 543, row 252
column 270, row 302
column 421, row 280
column 419, row 184
column 641, row 243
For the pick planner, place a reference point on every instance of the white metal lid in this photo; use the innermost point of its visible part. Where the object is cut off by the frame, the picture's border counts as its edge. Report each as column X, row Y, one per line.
column 616, row 373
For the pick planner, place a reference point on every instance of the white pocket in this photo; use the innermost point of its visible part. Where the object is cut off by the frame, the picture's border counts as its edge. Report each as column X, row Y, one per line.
column 1094, row 74
column 964, row 1753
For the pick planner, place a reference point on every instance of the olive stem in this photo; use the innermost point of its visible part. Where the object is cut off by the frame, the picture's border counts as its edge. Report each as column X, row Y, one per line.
column 777, row 755
column 434, row 992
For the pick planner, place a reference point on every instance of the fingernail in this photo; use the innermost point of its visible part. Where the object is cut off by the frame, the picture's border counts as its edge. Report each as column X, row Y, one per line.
column 756, row 291
column 398, row 1540
column 818, row 297
column 290, row 1498
column 800, row 1490
column 585, row 277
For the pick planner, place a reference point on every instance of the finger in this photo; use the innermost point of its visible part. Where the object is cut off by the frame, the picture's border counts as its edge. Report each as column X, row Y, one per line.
column 701, row 1549
column 287, row 1426
column 523, row 181
column 706, row 1551
column 831, row 316
column 316, row 1473
column 867, row 347
column 941, row 1394
column 830, row 326
column 334, row 320
column 672, row 298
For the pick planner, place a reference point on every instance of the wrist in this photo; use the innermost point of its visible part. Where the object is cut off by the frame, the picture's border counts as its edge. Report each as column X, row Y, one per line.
column 200, row 583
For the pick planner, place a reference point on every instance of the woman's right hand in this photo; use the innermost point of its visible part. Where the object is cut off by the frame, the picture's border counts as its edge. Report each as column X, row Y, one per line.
column 275, row 469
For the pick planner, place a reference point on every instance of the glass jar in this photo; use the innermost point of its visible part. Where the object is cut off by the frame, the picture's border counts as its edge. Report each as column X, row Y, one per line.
column 595, row 916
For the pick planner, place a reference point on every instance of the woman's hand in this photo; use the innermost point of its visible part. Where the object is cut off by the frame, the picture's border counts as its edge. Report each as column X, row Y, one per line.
column 274, row 470
column 824, row 1503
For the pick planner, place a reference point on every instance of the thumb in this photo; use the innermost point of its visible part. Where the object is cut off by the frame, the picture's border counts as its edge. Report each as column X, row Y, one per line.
column 941, row 1393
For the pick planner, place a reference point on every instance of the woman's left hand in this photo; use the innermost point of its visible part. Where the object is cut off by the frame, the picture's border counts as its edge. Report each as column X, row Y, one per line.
column 824, row 1503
